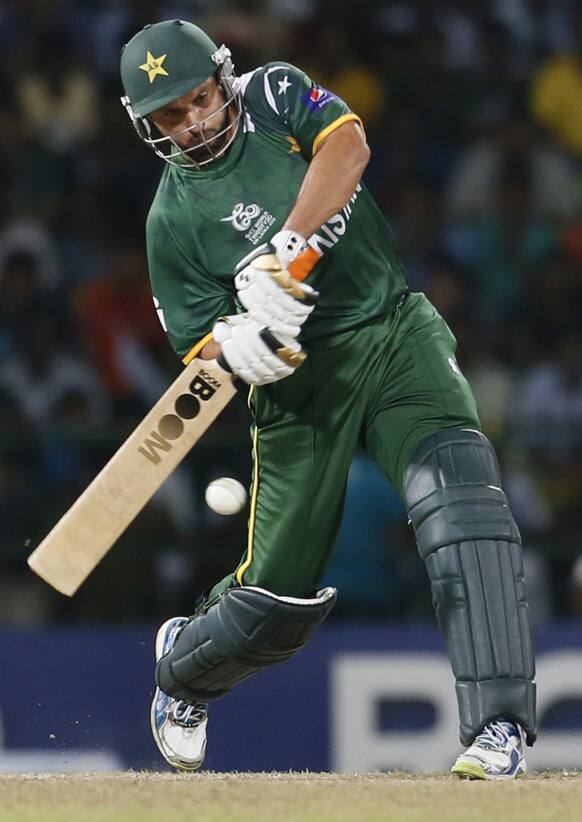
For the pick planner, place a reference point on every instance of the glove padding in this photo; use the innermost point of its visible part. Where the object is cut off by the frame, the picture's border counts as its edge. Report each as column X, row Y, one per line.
column 253, row 352
column 269, row 292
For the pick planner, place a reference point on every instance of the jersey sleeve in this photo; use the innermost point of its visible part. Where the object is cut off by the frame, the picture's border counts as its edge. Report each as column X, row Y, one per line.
column 188, row 300
column 287, row 97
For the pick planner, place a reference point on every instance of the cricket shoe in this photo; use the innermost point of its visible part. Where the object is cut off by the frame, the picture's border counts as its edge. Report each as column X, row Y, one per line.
column 178, row 727
column 496, row 753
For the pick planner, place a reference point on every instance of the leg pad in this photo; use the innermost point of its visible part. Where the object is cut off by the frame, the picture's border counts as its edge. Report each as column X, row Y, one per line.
column 246, row 630
column 472, row 550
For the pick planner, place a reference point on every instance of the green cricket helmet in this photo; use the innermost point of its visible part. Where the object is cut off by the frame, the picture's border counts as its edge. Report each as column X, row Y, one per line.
column 163, row 62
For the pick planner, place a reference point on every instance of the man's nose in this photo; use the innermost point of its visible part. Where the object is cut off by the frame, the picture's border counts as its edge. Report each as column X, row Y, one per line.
column 192, row 118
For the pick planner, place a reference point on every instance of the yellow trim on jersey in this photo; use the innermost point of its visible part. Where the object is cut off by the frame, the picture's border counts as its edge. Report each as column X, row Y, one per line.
column 241, row 571
column 345, row 118
column 197, row 349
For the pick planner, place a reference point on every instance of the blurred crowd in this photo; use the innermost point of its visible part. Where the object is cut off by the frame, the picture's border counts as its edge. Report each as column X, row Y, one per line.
column 473, row 112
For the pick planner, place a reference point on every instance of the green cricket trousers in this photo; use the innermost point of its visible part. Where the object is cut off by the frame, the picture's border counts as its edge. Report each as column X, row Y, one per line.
column 385, row 387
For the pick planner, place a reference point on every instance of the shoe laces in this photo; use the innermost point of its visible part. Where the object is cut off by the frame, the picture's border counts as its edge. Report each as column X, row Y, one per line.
column 187, row 714
column 495, row 734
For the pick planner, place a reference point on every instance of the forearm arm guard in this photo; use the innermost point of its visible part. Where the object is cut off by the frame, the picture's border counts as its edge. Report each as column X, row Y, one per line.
column 246, row 630
column 472, row 550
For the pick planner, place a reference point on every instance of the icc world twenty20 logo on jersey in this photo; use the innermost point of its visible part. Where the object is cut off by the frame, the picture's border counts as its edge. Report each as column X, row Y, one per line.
column 251, row 218
column 242, row 216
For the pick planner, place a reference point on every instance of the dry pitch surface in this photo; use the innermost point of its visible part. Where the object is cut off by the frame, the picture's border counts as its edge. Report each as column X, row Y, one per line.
column 278, row 797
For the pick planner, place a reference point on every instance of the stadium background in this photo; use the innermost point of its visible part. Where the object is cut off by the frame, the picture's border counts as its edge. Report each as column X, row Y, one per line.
column 473, row 114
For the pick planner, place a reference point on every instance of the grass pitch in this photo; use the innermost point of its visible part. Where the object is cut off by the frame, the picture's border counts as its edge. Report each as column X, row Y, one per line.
column 286, row 797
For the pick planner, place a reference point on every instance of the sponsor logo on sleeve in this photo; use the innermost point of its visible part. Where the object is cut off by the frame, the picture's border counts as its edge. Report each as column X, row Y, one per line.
column 317, row 98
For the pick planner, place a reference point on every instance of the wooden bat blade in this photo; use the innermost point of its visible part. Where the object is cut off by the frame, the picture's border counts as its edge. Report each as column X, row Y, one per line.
column 84, row 534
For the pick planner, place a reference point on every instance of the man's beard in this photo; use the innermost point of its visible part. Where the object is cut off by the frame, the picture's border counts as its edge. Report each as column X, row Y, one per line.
column 202, row 151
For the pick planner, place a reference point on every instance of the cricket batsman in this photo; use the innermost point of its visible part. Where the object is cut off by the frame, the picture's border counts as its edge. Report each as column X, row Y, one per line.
column 266, row 251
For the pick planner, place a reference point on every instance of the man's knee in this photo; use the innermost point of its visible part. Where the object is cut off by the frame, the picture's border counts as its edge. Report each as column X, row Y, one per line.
column 284, row 582
column 453, row 492
column 246, row 630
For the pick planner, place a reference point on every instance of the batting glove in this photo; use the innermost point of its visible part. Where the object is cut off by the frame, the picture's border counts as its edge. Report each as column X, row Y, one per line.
column 268, row 283
column 253, row 352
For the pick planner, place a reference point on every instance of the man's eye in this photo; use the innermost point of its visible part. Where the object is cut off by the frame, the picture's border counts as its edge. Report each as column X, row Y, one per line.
column 201, row 97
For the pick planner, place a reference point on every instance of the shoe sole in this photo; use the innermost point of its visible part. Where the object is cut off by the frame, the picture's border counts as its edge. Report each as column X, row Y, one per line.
column 468, row 771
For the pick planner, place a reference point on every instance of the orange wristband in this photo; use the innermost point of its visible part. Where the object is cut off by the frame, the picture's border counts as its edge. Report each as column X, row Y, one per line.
column 304, row 263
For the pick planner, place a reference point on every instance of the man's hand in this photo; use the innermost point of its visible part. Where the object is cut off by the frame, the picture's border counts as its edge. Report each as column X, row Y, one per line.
column 267, row 289
column 253, row 352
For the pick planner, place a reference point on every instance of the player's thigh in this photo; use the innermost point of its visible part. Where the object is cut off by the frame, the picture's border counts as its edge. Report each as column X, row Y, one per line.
column 307, row 429
column 421, row 390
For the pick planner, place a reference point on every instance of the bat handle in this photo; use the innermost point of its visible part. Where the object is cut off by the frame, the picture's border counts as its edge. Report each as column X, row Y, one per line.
column 221, row 360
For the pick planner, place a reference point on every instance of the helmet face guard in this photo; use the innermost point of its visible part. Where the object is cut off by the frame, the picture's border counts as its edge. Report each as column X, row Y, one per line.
column 168, row 147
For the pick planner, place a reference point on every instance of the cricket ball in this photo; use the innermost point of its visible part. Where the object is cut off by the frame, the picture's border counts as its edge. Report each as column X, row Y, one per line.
column 226, row 496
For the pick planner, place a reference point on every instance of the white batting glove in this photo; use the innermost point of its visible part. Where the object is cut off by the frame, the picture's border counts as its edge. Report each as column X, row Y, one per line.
column 253, row 352
column 269, row 292
column 288, row 245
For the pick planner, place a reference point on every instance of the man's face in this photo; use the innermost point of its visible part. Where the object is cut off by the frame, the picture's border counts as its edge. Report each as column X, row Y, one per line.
column 195, row 119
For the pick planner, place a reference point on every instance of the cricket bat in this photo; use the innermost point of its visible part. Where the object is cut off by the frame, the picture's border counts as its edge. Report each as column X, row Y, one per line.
column 82, row 537
column 84, row 534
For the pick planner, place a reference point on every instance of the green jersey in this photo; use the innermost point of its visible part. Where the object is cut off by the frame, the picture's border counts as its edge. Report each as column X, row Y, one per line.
column 202, row 223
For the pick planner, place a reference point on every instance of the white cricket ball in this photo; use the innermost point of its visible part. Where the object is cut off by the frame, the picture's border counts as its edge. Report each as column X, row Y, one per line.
column 226, row 496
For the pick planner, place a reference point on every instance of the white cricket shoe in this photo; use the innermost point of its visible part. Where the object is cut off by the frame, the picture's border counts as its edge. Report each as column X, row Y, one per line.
column 178, row 727
column 496, row 753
